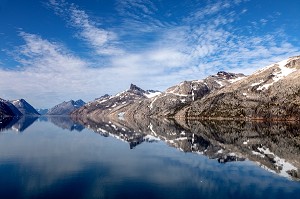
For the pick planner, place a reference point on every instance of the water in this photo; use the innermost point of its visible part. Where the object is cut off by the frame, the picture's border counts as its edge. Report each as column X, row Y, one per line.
column 57, row 158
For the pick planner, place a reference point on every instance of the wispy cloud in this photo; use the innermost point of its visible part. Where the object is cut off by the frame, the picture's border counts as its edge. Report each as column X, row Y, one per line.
column 141, row 15
column 99, row 39
column 200, row 43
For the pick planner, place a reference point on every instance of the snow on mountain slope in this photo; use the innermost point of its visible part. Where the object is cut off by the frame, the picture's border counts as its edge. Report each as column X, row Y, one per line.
column 272, row 93
column 24, row 107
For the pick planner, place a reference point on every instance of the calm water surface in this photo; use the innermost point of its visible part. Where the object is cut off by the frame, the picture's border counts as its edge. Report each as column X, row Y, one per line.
column 43, row 159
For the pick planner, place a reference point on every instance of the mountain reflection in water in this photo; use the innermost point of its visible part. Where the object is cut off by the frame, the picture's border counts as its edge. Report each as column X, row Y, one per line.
column 273, row 146
column 45, row 161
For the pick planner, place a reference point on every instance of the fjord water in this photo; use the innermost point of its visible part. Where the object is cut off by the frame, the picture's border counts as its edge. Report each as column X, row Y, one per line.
column 57, row 158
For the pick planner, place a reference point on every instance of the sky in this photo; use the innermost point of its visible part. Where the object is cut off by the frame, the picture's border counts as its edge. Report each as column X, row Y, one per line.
column 56, row 50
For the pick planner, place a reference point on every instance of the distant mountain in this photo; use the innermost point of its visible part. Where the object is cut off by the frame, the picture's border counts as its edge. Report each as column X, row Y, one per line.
column 42, row 111
column 24, row 107
column 272, row 93
column 65, row 108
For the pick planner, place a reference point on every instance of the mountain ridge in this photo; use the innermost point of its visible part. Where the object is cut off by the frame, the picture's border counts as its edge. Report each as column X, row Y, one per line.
column 271, row 93
column 24, row 107
column 65, row 108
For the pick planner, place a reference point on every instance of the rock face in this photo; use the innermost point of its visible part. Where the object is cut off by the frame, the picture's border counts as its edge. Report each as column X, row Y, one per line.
column 24, row 107
column 168, row 103
column 272, row 93
column 65, row 108
column 5, row 110
column 10, row 109
column 114, row 106
column 138, row 103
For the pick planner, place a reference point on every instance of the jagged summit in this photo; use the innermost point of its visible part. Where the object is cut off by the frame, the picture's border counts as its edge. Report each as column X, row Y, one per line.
column 24, row 107
column 270, row 92
column 134, row 87
column 103, row 97
column 144, row 93
column 228, row 75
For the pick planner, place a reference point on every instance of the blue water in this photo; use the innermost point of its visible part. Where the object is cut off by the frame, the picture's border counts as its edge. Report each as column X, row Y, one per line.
column 45, row 161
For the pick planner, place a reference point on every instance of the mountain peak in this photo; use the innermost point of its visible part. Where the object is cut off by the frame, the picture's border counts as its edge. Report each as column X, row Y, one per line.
column 24, row 107
column 65, row 108
column 134, row 87
column 227, row 75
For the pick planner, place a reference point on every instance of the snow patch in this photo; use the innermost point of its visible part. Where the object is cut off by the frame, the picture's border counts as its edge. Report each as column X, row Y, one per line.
column 265, row 86
column 151, row 129
column 151, row 105
column 280, row 74
column 281, row 163
column 154, row 94
column 258, row 154
column 257, row 83
column 181, row 138
column 220, row 151
column 121, row 115
column 246, row 142
column 101, row 101
column 220, row 83
column 236, row 79
column 151, row 138
column 101, row 130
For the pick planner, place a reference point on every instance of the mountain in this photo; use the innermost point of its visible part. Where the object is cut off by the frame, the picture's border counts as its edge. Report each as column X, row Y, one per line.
column 14, row 110
column 168, row 103
column 5, row 110
column 107, row 106
column 272, row 93
column 65, row 108
column 42, row 111
column 138, row 103
column 24, row 107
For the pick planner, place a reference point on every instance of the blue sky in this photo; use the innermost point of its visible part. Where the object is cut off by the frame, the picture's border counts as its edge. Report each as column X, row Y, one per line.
column 57, row 50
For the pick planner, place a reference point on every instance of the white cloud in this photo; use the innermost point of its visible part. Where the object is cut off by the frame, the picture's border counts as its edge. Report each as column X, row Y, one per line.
column 188, row 49
column 50, row 74
column 99, row 39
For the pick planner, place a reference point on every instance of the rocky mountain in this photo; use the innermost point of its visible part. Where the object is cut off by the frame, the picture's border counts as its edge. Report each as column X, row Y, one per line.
column 8, row 109
column 65, row 108
column 24, row 107
column 272, row 93
column 168, row 103
column 114, row 106
column 136, row 102
column 5, row 110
